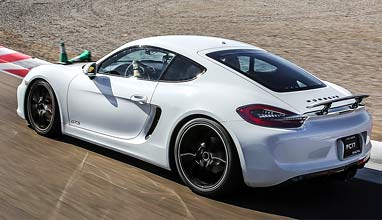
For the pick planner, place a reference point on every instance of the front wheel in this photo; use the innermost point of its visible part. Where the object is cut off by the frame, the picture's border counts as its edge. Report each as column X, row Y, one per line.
column 206, row 158
column 42, row 109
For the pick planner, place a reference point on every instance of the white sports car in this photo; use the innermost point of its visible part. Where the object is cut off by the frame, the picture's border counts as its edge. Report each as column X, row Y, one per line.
column 218, row 111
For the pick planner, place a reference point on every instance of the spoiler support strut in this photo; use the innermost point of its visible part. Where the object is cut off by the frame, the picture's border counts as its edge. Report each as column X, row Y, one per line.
column 328, row 104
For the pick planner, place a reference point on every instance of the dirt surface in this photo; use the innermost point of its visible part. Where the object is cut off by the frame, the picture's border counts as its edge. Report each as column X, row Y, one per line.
column 42, row 178
column 339, row 41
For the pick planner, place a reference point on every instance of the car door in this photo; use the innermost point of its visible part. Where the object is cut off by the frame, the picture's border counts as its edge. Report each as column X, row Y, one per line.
column 116, row 102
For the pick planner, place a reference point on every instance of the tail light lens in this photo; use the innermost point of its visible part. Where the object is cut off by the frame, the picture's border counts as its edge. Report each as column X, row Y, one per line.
column 269, row 116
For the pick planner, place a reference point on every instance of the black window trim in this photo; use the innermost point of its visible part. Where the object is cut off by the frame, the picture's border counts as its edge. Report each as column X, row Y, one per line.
column 186, row 80
column 163, row 71
column 248, row 77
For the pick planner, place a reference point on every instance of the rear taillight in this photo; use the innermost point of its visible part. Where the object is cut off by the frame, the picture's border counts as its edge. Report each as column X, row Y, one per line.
column 269, row 116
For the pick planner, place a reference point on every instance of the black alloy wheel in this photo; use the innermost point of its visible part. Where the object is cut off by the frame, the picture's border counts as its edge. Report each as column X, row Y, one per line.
column 42, row 109
column 206, row 159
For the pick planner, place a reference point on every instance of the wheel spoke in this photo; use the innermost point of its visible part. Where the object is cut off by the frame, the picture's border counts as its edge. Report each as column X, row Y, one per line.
column 203, row 156
column 34, row 106
column 35, row 98
column 216, row 157
column 41, row 106
column 217, row 168
column 48, row 110
column 47, row 115
column 188, row 154
column 40, row 119
column 47, row 100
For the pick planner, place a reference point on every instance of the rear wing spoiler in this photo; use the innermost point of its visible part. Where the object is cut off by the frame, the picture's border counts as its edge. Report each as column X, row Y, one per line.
column 328, row 104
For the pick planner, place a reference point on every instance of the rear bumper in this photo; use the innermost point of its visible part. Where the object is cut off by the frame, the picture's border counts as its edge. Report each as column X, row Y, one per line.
column 355, row 165
column 271, row 156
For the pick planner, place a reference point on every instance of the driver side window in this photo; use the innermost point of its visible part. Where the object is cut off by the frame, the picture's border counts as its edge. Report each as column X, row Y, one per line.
column 140, row 62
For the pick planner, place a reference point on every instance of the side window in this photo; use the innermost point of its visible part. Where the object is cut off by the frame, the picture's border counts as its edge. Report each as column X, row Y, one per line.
column 237, row 62
column 182, row 69
column 140, row 63
column 263, row 67
column 244, row 63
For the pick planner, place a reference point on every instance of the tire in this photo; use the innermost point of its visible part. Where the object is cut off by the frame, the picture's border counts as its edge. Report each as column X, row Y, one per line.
column 42, row 109
column 206, row 158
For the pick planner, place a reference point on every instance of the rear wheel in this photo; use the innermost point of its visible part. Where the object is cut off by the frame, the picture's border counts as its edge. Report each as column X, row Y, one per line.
column 206, row 159
column 42, row 109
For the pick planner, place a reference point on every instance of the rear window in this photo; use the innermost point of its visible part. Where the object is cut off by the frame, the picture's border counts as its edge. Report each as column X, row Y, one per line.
column 269, row 70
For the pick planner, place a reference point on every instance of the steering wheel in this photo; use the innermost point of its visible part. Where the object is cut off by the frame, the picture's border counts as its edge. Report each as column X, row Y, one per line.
column 148, row 70
column 145, row 71
column 129, row 70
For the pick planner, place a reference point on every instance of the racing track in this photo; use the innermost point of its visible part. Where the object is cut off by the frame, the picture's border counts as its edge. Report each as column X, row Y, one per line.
column 42, row 178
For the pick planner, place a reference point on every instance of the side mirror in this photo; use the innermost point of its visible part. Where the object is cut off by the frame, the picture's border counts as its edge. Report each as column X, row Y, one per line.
column 89, row 69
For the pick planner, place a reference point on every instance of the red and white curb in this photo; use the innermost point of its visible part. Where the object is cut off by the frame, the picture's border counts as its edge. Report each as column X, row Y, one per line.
column 17, row 64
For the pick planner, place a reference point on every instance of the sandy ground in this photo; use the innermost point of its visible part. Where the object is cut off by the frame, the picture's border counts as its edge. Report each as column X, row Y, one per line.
column 339, row 41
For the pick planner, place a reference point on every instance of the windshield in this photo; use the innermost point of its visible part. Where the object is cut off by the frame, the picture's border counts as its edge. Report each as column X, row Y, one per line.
column 269, row 70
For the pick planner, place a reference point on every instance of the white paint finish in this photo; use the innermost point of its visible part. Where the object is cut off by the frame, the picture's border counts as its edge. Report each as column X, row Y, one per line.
column 298, row 100
column 275, row 155
column 59, row 77
column 376, row 152
column 106, row 105
column 267, row 156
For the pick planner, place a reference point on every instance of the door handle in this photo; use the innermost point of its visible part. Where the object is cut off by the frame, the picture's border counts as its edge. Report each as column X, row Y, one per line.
column 141, row 99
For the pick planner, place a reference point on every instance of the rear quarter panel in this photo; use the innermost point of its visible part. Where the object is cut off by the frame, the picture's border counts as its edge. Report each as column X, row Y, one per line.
column 217, row 93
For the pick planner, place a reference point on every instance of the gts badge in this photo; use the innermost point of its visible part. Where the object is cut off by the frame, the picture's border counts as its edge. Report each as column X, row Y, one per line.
column 75, row 122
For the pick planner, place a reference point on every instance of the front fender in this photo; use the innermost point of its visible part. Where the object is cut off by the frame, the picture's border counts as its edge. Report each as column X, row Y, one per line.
column 59, row 78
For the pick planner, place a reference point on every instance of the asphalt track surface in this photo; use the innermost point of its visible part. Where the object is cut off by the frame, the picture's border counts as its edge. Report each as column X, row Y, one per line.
column 42, row 178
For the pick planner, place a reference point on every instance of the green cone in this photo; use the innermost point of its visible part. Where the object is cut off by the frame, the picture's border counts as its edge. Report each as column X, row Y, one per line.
column 63, row 55
column 83, row 57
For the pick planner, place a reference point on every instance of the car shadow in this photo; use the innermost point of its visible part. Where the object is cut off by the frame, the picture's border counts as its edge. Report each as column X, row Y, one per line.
column 104, row 85
column 355, row 199
column 121, row 157
column 318, row 199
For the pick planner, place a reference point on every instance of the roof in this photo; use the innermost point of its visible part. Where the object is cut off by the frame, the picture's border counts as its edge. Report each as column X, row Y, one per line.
column 186, row 44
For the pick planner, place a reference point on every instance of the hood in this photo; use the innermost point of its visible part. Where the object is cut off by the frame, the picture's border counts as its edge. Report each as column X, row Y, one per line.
column 75, row 68
column 76, row 65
